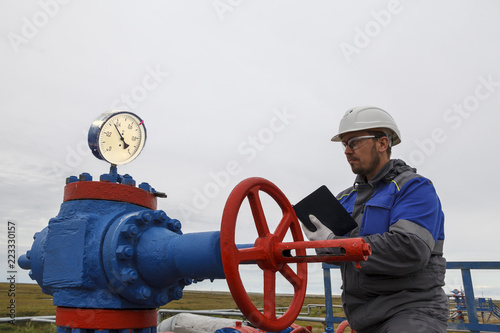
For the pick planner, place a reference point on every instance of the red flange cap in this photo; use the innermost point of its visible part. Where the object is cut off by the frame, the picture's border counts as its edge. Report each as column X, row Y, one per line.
column 109, row 191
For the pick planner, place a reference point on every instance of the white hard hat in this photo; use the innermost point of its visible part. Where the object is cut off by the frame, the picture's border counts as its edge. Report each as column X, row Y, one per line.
column 365, row 118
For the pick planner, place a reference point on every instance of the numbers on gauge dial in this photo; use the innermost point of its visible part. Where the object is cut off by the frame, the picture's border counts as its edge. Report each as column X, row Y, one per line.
column 121, row 138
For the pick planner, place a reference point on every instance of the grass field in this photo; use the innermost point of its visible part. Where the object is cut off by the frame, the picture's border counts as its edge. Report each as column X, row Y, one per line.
column 30, row 301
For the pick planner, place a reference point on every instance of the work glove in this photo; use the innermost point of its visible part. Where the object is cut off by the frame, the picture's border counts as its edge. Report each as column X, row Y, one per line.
column 321, row 233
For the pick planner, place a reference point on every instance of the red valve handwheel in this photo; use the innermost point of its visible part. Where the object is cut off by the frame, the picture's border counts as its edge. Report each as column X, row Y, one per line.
column 262, row 254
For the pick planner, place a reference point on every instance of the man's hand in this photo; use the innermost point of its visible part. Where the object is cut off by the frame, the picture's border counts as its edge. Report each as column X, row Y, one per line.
column 321, row 233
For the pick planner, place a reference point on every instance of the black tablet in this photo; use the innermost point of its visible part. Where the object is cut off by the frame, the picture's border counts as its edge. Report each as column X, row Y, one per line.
column 323, row 204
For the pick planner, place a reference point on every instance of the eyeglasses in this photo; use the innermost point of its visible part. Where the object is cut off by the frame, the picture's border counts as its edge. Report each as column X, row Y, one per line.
column 357, row 142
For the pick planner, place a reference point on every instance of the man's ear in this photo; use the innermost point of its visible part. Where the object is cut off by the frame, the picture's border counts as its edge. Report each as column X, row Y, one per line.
column 383, row 144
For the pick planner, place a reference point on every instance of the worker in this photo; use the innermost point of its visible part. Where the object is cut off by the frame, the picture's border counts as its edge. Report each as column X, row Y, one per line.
column 397, row 211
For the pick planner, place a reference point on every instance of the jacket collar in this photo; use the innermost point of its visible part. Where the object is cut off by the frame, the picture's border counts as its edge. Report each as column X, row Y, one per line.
column 386, row 174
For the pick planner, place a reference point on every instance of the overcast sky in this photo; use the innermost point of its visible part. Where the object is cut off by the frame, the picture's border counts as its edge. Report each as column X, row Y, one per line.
column 231, row 89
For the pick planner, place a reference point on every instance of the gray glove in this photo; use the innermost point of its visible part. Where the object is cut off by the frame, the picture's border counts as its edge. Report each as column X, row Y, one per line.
column 321, row 233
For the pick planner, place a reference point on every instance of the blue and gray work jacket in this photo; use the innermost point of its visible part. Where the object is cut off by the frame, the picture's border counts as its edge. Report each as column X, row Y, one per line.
column 399, row 214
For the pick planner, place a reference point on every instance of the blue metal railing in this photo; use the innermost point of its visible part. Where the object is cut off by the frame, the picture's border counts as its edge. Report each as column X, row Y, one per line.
column 465, row 266
column 496, row 311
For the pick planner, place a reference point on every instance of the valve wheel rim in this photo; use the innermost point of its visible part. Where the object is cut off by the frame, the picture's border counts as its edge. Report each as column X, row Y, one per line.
column 262, row 254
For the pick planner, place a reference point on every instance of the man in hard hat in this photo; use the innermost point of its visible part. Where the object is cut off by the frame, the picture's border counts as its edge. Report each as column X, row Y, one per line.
column 399, row 287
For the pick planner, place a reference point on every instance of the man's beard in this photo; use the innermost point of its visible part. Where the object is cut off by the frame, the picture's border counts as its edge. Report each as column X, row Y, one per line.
column 374, row 163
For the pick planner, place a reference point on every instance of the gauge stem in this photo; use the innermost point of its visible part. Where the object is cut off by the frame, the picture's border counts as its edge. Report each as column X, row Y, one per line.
column 113, row 170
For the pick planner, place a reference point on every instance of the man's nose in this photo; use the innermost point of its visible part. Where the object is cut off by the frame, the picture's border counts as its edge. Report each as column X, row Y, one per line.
column 348, row 150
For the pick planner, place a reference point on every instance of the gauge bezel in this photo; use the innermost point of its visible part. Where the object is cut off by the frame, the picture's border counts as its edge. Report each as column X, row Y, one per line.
column 95, row 132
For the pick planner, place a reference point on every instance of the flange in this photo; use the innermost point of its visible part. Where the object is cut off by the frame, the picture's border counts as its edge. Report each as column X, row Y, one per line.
column 119, row 255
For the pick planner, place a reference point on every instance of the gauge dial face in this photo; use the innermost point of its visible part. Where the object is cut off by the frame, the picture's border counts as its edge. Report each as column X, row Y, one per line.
column 121, row 138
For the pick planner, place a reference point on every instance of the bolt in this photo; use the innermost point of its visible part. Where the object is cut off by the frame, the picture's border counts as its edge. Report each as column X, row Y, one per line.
column 128, row 180
column 143, row 218
column 36, row 235
column 124, row 251
column 129, row 275
column 85, row 177
column 176, row 293
column 187, row 281
column 130, row 231
column 159, row 216
column 104, row 177
column 174, row 225
column 145, row 187
column 31, row 275
column 143, row 292
column 71, row 179
column 107, row 178
column 162, row 298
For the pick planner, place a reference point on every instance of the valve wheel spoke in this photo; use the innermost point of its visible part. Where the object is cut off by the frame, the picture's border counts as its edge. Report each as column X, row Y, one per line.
column 269, row 294
column 292, row 277
column 283, row 226
column 258, row 212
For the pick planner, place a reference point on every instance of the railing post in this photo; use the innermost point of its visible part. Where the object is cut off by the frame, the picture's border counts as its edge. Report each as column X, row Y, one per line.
column 328, row 297
column 469, row 297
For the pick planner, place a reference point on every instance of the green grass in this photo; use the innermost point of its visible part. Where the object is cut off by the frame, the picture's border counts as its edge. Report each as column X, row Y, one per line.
column 30, row 301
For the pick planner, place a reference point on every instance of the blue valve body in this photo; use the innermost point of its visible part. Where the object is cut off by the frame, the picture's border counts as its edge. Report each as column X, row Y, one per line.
column 117, row 255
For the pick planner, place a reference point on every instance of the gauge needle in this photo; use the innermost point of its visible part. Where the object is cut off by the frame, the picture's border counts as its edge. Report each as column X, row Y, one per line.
column 125, row 145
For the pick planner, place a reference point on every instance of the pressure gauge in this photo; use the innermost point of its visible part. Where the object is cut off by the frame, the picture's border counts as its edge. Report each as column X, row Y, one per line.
column 117, row 137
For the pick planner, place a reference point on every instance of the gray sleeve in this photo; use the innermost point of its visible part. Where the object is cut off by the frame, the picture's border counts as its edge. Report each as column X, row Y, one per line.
column 405, row 248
